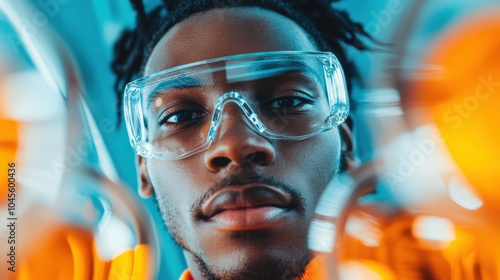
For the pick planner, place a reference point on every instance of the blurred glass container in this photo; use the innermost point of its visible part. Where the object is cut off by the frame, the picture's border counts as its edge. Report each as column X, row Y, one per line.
column 426, row 205
column 92, row 229
column 63, row 219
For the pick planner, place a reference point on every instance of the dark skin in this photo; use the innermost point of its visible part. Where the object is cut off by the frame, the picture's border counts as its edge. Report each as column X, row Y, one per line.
column 239, row 157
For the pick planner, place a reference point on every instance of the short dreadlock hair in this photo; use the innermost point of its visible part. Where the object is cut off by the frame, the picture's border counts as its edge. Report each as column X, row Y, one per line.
column 327, row 26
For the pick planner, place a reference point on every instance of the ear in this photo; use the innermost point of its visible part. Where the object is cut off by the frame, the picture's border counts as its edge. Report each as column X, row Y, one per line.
column 348, row 144
column 145, row 187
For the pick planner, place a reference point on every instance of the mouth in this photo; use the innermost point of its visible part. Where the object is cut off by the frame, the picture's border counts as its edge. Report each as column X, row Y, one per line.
column 247, row 207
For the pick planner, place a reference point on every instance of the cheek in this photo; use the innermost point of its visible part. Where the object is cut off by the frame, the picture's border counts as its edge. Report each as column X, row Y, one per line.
column 313, row 162
column 173, row 184
column 173, row 176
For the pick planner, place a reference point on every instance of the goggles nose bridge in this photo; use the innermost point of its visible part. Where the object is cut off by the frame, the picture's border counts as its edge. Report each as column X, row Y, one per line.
column 243, row 104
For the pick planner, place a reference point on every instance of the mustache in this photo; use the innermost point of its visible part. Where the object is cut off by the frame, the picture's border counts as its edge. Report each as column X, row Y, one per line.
column 298, row 201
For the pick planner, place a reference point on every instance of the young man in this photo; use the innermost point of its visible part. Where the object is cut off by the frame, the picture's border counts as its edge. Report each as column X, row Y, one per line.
column 237, row 151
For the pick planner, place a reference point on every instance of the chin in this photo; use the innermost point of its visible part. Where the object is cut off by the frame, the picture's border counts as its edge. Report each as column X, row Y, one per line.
column 261, row 268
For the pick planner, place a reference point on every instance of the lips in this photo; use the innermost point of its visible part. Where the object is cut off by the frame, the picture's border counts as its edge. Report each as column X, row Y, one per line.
column 246, row 207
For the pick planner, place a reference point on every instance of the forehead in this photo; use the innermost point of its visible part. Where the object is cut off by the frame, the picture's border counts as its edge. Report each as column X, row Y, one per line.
column 223, row 32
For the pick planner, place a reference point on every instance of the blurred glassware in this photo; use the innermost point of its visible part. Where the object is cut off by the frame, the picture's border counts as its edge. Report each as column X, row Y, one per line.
column 426, row 206
column 91, row 229
column 70, row 220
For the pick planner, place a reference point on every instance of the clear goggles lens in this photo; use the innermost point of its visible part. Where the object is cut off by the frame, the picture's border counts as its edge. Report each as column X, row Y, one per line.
column 176, row 113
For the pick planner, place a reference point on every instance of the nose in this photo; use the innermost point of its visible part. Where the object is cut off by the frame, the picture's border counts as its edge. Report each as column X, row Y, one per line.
column 237, row 144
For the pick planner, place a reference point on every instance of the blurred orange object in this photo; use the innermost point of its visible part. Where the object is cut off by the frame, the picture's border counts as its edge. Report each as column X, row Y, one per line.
column 463, row 98
column 8, row 147
column 70, row 253
column 66, row 254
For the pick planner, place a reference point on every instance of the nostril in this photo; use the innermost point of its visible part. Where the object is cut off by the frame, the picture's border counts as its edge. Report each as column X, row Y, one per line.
column 239, row 148
column 221, row 161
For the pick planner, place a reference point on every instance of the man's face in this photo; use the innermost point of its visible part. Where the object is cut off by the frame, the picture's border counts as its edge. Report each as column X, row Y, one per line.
column 241, row 209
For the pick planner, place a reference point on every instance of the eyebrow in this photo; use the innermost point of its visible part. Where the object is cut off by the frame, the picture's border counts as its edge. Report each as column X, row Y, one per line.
column 180, row 82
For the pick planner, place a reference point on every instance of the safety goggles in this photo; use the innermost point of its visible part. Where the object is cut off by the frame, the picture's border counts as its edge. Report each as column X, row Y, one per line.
column 290, row 95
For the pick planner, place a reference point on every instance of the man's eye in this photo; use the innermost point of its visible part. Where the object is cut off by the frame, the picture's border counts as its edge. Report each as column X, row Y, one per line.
column 182, row 117
column 288, row 102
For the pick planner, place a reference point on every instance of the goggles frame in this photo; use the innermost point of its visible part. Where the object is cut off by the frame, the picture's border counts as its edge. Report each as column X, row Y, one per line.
column 338, row 102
